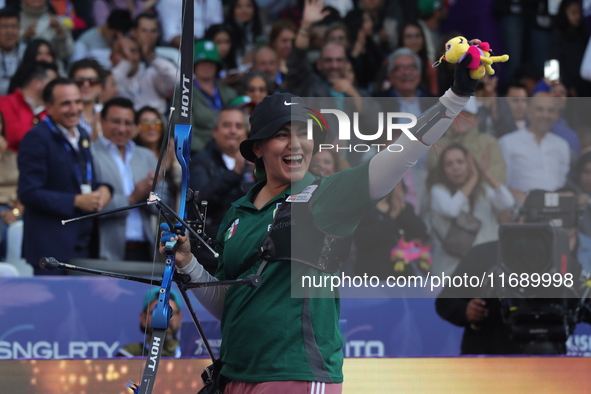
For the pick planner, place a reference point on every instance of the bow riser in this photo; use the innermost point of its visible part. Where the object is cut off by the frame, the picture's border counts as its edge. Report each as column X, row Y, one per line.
column 182, row 140
column 162, row 311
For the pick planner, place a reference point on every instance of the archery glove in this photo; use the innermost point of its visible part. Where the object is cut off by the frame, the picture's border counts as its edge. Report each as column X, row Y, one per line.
column 463, row 84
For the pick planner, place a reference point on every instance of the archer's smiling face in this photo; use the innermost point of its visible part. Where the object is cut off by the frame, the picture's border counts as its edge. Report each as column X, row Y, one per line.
column 286, row 155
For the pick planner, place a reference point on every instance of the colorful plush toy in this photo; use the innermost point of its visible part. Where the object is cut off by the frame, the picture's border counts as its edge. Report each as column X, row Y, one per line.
column 457, row 48
column 407, row 255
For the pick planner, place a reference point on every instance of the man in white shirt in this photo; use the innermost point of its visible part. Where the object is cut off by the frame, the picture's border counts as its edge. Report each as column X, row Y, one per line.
column 89, row 76
column 536, row 158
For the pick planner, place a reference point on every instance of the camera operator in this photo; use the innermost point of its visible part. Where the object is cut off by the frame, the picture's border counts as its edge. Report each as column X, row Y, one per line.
column 485, row 330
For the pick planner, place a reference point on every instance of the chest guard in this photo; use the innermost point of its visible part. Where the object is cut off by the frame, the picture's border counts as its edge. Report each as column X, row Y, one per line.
column 294, row 236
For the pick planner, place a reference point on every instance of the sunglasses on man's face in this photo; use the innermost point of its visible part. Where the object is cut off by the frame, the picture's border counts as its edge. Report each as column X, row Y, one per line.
column 146, row 125
column 92, row 82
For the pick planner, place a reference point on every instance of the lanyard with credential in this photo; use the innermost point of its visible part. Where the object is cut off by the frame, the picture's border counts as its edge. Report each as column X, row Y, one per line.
column 85, row 150
column 215, row 102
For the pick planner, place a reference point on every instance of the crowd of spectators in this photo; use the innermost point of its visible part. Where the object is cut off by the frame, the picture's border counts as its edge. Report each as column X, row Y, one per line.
column 524, row 130
column 87, row 87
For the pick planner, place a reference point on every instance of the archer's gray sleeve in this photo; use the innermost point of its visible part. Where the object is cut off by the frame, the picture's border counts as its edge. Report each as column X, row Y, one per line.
column 387, row 168
column 212, row 298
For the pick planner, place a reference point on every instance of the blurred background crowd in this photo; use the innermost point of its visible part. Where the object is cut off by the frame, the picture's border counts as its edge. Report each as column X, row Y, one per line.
column 105, row 71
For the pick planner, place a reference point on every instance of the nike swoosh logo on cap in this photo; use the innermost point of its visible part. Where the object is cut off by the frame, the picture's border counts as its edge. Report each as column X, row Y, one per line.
column 286, row 103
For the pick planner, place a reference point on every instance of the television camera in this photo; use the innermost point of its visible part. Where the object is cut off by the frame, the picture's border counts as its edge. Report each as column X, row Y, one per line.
column 539, row 306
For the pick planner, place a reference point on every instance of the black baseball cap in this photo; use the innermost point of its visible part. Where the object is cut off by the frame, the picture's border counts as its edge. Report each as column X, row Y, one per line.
column 272, row 113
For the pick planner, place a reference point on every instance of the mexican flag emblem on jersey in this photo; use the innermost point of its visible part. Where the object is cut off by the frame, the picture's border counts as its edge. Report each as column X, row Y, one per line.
column 231, row 230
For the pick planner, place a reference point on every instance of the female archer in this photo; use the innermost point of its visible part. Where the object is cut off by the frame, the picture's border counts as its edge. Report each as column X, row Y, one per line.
column 272, row 342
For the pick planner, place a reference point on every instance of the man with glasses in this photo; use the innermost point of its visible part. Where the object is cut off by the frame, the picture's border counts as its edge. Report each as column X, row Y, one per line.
column 88, row 75
column 404, row 75
column 11, row 50
column 58, row 180
column 129, row 169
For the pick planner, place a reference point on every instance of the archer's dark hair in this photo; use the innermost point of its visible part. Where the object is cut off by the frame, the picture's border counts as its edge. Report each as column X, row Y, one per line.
column 88, row 63
column 49, row 88
column 117, row 102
